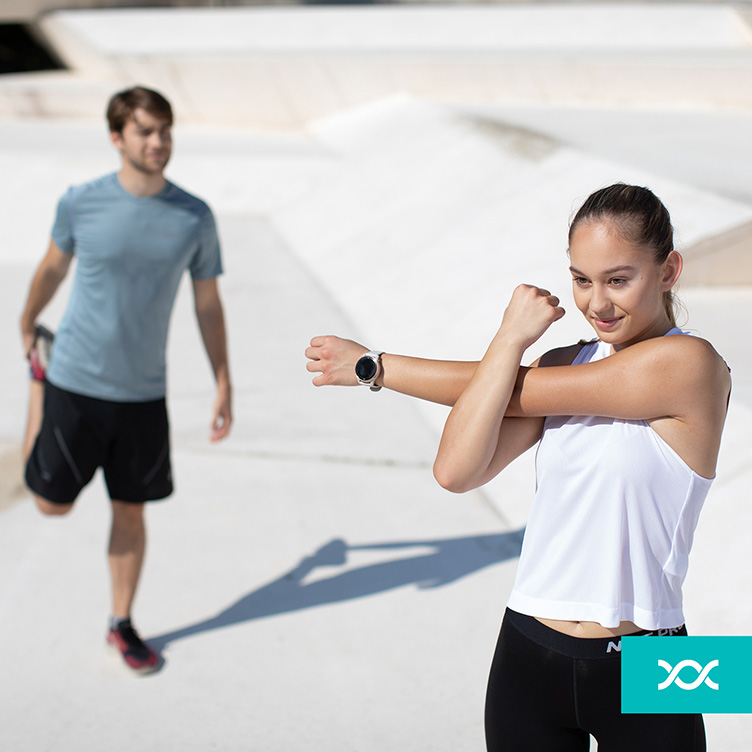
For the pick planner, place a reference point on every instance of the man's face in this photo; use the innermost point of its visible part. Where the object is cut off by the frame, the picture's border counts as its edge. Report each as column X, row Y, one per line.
column 145, row 142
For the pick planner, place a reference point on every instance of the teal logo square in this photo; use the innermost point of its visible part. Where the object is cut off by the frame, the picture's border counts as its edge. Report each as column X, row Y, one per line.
column 686, row 674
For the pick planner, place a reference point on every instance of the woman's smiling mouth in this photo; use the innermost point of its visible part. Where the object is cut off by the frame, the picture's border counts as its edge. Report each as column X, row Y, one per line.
column 607, row 324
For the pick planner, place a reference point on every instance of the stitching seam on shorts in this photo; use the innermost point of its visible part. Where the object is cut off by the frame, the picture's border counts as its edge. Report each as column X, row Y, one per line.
column 68, row 456
column 150, row 475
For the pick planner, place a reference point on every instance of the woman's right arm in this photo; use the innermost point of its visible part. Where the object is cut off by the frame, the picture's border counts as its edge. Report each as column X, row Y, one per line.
column 478, row 441
column 440, row 381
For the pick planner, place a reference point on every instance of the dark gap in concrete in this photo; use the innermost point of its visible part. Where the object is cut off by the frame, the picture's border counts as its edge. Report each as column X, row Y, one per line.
column 21, row 51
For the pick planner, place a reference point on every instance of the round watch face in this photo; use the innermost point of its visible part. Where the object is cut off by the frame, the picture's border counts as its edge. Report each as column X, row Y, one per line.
column 366, row 369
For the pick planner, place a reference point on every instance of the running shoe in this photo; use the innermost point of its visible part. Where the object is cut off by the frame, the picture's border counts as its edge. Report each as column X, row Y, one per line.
column 39, row 355
column 137, row 655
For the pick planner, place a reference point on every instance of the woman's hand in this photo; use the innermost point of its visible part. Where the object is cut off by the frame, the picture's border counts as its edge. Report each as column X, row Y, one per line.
column 334, row 358
column 530, row 312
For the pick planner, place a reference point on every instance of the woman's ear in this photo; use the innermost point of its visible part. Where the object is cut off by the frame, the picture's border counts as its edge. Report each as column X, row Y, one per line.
column 672, row 269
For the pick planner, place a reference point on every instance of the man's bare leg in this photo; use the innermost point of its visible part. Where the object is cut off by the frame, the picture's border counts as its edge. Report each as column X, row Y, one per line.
column 126, row 554
column 126, row 557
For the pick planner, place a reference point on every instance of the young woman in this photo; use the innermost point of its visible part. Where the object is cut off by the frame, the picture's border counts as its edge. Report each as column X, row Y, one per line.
column 628, row 428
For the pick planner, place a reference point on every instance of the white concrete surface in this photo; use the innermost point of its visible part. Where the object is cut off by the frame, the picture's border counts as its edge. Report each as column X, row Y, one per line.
column 310, row 584
column 297, row 64
column 264, row 650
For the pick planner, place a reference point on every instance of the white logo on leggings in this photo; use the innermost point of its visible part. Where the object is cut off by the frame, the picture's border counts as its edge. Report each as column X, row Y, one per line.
column 702, row 674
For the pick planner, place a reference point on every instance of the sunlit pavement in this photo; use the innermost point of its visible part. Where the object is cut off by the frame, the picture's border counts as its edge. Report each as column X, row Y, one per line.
column 309, row 585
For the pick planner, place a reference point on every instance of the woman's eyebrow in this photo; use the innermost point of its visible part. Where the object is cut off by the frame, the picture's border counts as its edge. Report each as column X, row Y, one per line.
column 613, row 270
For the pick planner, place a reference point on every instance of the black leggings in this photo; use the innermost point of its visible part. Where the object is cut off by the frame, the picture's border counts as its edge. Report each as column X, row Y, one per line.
column 548, row 692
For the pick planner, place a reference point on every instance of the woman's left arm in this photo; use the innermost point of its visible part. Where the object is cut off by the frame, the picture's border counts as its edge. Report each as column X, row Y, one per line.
column 665, row 377
column 678, row 384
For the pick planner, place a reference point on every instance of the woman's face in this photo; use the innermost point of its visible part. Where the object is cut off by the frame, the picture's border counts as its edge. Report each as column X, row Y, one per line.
column 617, row 287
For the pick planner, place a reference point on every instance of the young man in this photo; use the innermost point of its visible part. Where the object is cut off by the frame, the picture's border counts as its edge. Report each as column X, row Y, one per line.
column 102, row 400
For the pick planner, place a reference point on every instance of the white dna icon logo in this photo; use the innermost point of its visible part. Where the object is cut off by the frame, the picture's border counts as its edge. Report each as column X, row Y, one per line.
column 673, row 674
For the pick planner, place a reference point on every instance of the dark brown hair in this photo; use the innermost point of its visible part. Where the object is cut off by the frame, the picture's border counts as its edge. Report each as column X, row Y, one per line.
column 123, row 104
column 639, row 217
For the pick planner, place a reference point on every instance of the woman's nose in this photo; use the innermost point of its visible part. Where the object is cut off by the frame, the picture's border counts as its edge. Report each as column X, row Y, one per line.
column 599, row 300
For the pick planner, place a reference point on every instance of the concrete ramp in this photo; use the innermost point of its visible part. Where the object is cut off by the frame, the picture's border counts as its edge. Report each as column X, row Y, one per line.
column 435, row 216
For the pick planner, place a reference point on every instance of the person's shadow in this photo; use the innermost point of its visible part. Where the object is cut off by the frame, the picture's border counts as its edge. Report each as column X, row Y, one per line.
column 448, row 560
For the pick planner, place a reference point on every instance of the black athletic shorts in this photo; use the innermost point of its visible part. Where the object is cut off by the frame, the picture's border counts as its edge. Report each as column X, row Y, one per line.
column 549, row 692
column 128, row 440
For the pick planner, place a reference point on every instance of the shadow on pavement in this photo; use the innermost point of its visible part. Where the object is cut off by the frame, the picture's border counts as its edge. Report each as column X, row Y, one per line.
column 448, row 560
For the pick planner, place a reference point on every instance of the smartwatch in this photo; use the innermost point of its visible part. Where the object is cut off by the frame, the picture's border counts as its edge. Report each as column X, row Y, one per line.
column 368, row 368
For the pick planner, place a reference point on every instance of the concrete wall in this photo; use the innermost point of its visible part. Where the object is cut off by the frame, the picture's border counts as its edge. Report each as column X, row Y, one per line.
column 281, row 68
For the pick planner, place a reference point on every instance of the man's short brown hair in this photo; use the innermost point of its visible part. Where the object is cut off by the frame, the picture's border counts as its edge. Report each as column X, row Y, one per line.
column 125, row 103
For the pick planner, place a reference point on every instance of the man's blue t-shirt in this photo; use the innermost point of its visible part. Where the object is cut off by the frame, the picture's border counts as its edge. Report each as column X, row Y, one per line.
column 131, row 252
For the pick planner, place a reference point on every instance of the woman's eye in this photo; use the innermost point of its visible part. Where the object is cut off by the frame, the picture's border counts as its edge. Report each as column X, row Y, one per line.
column 581, row 281
column 618, row 281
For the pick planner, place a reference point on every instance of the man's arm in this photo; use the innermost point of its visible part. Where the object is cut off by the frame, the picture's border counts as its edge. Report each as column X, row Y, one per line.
column 47, row 278
column 441, row 381
column 211, row 321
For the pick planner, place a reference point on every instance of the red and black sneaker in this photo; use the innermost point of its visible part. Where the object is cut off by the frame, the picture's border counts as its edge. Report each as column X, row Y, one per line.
column 39, row 355
column 137, row 655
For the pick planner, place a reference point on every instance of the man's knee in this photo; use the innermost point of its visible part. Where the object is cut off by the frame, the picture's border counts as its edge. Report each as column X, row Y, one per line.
column 50, row 509
column 127, row 514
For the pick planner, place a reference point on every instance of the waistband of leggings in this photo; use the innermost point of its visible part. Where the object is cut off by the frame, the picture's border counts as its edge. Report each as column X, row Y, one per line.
column 579, row 647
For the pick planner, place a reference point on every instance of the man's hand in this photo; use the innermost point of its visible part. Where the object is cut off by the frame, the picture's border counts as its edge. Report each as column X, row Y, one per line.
column 222, row 416
column 27, row 339
column 211, row 322
column 47, row 278
column 334, row 358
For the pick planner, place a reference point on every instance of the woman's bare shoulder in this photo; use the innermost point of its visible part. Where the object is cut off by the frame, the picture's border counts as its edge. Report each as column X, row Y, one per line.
column 691, row 359
column 687, row 350
column 693, row 343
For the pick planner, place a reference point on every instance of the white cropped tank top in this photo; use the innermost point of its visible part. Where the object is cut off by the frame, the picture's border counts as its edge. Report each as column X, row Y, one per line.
column 611, row 527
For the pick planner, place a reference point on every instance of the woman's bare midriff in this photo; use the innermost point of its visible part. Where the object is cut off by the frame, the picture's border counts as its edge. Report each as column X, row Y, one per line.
column 590, row 629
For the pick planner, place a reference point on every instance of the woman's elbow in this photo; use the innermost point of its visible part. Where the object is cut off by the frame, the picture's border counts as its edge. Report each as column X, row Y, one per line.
column 450, row 480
